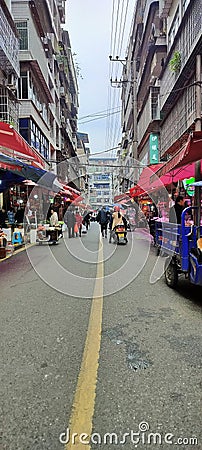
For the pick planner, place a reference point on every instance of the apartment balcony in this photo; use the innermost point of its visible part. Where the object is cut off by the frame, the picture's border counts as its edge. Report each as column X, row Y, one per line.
column 61, row 9
column 179, row 121
column 188, row 42
column 164, row 8
column 149, row 114
column 74, row 110
column 65, row 123
column 9, row 107
column 148, row 4
column 9, row 45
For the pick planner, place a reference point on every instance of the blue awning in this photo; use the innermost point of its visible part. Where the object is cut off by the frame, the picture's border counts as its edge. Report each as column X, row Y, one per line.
column 17, row 171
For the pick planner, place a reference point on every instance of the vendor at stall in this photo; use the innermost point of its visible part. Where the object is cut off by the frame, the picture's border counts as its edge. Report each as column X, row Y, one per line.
column 176, row 210
column 54, row 218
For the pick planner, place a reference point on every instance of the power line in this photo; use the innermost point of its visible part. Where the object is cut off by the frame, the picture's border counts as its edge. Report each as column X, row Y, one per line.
column 96, row 113
column 101, row 117
column 104, row 151
column 124, row 25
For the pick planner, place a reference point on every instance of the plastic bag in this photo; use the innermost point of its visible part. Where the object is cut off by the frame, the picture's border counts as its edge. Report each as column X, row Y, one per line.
column 64, row 227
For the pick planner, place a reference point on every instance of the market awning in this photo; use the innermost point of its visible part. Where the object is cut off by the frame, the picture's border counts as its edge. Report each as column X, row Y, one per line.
column 13, row 144
column 173, row 176
column 70, row 191
column 143, row 184
column 27, row 172
column 8, row 179
column 122, row 197
column 136, row 191
column 191, row 153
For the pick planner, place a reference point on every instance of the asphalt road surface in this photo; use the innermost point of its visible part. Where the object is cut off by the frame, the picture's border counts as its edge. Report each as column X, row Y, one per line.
column 93, row 362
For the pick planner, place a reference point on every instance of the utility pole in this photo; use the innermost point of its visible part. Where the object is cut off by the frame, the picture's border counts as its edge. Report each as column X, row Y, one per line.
column 134, row 103
column 198, row 128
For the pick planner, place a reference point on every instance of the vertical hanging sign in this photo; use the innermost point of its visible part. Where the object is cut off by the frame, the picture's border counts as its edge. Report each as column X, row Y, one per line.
column 153, row 149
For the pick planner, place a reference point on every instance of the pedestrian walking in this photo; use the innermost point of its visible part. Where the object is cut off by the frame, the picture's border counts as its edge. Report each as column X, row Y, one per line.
column 70, row 220
column 86, row 220
column 102, row 219
column 79, row 220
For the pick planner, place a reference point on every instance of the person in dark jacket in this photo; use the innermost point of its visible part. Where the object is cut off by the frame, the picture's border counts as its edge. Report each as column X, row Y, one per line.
column 19, row 216
column 3, row 218
column 176, row 210
column 102, row 218
column 86, row 220
column 70, row 220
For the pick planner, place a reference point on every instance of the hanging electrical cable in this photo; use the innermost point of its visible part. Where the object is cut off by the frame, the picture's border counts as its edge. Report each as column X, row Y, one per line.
column 100, row 117
column 98, row 113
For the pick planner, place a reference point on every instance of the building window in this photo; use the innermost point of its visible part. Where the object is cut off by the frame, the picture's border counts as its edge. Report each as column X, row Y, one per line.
column 23, row 85
column 33, row 135
column 23, row 33
column 174, row 28
column 185, row 3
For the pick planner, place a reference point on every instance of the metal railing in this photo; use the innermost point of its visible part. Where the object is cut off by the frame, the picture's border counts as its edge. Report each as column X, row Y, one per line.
column 149, row 113
column 9, row 46
column 185, row 43
column 180, row 118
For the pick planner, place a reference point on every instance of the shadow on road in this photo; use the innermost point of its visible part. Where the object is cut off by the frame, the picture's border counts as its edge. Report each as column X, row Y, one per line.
column 190, row 291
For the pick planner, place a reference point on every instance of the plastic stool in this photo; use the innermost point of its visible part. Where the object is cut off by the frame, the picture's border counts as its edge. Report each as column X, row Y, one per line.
column 17, row 238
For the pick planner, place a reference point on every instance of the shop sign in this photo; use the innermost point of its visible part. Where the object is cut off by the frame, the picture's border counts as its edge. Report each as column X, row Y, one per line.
column 188, row 186
column 153, row 149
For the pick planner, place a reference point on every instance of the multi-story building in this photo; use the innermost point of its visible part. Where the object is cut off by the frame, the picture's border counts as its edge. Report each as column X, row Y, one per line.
column 39, row 28
column 160, row 82
column 101, row 181
column 9, row 66
column 140, row 94
column 69, row 110
column 37, row 69
column 83, row 153
column 180, row 79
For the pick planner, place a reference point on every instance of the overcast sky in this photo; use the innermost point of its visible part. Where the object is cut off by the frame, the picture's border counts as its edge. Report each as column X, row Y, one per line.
column 96, row 29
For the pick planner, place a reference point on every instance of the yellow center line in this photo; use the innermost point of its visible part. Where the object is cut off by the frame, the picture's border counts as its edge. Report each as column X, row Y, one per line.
column 84, row 400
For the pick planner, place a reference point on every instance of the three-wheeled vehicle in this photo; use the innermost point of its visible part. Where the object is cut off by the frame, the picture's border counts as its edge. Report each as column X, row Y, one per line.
column 183, row 246
column 119, row 234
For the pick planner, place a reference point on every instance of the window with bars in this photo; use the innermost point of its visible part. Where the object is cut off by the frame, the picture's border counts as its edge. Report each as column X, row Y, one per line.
column 22, row 28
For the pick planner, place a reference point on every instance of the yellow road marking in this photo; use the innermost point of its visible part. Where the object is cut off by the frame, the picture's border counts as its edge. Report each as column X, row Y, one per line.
column 17, row 251
column 84, row 400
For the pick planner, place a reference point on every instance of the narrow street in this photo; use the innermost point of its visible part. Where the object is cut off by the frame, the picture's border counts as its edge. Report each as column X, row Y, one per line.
column 144, row 372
